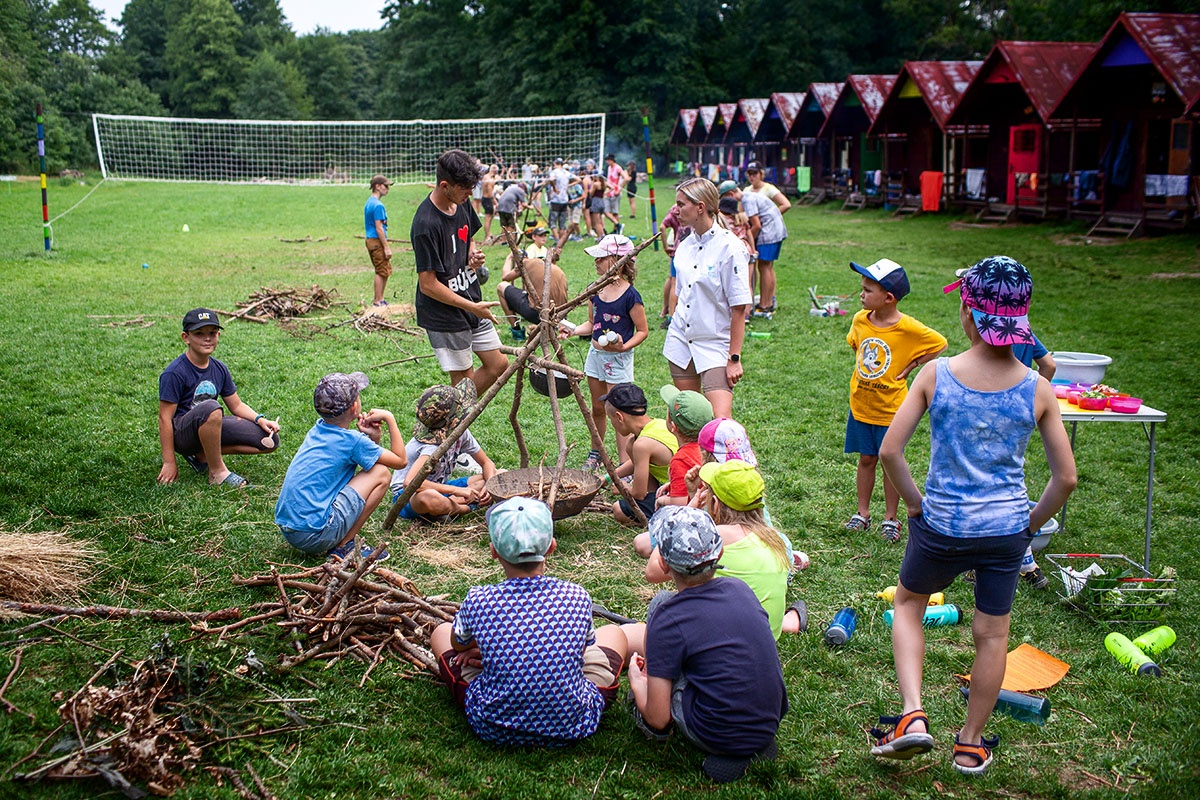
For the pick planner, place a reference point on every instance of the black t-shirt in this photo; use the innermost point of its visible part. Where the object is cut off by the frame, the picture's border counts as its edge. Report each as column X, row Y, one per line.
column 442, row 244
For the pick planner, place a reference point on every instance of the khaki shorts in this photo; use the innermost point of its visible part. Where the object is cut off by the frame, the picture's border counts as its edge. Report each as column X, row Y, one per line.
column 381, row 262
column 711, row 380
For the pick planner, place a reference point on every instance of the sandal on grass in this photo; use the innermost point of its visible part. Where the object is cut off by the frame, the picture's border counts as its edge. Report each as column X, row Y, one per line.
column 198, row 465
column 899, row 743
column 234, row 480
column 890, row 530
column 981, row 753
column 858, row 523
column 801, row 609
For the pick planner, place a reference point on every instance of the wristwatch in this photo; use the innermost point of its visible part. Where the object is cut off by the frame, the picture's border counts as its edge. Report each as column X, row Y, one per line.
column 735, row 357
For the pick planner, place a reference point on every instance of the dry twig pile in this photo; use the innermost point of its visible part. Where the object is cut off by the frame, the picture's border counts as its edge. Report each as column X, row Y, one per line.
column 45, row 565
column 336, row 610
column 267, row 304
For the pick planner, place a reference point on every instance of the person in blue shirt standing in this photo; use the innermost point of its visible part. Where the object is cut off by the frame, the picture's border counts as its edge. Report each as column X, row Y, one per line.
column 376, row 220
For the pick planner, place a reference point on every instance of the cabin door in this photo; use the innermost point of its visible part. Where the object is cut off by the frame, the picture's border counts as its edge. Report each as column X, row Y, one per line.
column 1024, row 157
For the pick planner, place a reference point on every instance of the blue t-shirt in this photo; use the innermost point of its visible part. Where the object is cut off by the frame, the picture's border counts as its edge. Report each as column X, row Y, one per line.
column 531, row 633
column 976, row 482
column 718, row 636
column 373, row 211
column 614, row 316
column 1028, row 353
column 322, row 467
column 185, row 384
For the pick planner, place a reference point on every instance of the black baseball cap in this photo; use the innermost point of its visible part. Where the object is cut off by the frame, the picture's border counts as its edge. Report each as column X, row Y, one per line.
column 754, row 166
column 201, row 318
column 627, row 397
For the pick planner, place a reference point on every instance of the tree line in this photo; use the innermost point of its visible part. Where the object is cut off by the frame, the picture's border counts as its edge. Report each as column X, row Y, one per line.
column 477, row 58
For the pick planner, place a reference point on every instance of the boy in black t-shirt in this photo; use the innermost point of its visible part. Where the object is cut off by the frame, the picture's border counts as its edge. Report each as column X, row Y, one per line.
column 190, row 419
column 449, row 302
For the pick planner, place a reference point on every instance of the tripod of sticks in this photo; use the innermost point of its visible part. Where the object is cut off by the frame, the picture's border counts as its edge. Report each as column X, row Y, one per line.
column 543, row 336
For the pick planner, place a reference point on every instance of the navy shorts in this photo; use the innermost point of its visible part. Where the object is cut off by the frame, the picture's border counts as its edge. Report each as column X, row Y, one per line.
column 646, row 504
column 932, row 562
column 863, row 437
column 408, row 513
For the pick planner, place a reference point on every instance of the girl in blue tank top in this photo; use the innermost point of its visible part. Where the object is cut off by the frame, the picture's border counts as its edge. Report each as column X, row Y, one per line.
column 983, row 405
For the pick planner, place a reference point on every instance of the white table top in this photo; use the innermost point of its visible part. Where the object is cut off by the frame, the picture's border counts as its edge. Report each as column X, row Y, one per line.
column 1072, row 413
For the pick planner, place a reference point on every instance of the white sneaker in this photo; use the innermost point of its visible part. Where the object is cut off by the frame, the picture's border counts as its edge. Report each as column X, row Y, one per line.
column 464, row 463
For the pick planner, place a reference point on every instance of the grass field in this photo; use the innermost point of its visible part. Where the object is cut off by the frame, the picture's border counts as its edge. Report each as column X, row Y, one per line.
column 79, row 454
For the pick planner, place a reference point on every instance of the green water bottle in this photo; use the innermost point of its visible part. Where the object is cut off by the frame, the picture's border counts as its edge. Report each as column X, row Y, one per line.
column 1124, row 651
column 1157, row 641
column 759, row 334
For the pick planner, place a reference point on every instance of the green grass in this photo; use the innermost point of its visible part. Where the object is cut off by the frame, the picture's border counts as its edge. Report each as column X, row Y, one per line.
column 79, row 453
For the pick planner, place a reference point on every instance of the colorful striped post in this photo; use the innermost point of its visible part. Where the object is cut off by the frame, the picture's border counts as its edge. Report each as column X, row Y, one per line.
column 41, row 137
column 650, row 175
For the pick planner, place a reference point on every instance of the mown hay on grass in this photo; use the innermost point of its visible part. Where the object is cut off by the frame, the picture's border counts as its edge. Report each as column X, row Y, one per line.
column 37, row 566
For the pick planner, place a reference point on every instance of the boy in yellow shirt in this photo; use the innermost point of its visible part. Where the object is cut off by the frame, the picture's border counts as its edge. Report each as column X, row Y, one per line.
column 888, row 345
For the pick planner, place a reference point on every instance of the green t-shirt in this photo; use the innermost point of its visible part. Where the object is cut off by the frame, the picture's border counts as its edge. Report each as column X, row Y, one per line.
column 753, row 562
column 656, row 429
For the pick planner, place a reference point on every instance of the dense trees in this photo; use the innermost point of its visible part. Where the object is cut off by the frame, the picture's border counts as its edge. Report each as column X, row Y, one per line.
column 466, row 58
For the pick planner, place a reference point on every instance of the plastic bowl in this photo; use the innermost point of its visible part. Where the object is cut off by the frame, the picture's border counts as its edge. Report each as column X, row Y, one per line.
column 1081, row 367
column 1060, row 391
column 1093, row 403
column 1041, row 537
column 1125, row 405
column 1073, row 397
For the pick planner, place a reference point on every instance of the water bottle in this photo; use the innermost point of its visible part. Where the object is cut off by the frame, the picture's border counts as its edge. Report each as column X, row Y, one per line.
column 935, row 616
column 889, row 594
column 842, row 627
column 1157, row 641
column 1021, row 707
column 759, row 334
column 1124, row 651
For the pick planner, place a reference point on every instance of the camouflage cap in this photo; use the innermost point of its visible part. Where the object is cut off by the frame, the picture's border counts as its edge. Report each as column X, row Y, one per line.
column 337, row 391
column 687, row 538
column 441, row 408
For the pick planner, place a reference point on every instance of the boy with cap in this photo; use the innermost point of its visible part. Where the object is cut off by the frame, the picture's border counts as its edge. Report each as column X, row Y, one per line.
column 190, row 419
column 888, row 345
column 687, row 414
column 522, row 657
column 708, row 661
column 650, row 451
column 974, row 513
column 376, row 219
column 440, row 497
column 324, row 501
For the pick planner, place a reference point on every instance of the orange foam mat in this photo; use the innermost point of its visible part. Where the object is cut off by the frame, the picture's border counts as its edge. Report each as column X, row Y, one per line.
column 1028, row 669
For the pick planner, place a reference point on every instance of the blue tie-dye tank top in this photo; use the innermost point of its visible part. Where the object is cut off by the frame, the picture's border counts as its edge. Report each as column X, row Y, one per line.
column 976, row 483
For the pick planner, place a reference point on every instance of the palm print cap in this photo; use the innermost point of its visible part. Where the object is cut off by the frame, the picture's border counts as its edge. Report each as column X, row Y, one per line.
column 998, row 290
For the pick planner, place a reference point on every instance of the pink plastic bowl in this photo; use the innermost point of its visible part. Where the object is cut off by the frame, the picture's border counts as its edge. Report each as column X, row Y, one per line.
column 1060, row 390
column 1073, row 397
column 1125, row 405
column 1092, row 403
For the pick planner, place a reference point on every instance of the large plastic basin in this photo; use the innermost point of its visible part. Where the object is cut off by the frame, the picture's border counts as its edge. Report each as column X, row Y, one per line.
column 1081, row 367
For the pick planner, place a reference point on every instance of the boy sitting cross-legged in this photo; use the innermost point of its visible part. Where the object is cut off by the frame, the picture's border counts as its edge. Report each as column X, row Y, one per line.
column 324, row 502
column 522, row 657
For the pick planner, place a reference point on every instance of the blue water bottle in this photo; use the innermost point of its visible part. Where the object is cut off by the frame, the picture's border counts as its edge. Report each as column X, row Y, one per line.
column 1021, row 707
column 842, row 627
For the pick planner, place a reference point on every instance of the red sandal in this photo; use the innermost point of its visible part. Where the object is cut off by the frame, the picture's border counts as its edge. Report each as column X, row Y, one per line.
column 982, row 753
column 898, row 743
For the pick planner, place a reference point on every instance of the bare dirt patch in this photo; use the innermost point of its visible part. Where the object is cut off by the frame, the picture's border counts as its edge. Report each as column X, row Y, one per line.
column 1165, row 276
column 1074, row 240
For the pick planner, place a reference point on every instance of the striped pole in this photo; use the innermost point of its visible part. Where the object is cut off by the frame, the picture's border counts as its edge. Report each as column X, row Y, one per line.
column 650, row 175
column 41, row 137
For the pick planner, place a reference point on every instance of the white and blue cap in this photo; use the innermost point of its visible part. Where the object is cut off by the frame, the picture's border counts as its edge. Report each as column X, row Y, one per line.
column 687, row 539
column 521, row 530
column 888, row 274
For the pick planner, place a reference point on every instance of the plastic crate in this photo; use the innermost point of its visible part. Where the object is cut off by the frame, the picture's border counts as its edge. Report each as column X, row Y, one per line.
column 1144, row 598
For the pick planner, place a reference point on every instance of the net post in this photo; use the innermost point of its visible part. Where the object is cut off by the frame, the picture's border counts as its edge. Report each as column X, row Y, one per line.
column 41, row 144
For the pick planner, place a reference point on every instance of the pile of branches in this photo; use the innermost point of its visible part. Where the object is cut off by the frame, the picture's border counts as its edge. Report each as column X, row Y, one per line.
column 149, row 728
column 267, row 304
column 376, row 323
column 343, row 609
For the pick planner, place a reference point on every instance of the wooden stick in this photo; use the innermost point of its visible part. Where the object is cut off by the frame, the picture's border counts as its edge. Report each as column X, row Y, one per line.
column 518, row 435
column 115, row 612
column 414, row 481
column 9, row 707
column 542, row 363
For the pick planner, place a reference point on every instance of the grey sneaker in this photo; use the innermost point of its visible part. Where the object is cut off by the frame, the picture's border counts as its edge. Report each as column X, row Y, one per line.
column 592, row 462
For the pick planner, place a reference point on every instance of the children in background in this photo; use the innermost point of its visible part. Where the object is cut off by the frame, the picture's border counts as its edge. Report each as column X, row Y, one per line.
column 709, row 662
column 439, row 410
column 616, row 324
column 650, row 450
column 739, row 224
column 674, row 232
column 687, row 413
column 975, row 512
column 190, row 419
column 522, row 657
column 888, row 345
column 324, row 501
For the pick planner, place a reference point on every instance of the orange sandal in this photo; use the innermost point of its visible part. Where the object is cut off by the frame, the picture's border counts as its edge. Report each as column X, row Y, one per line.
column 981, row 753
column 898, row 743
